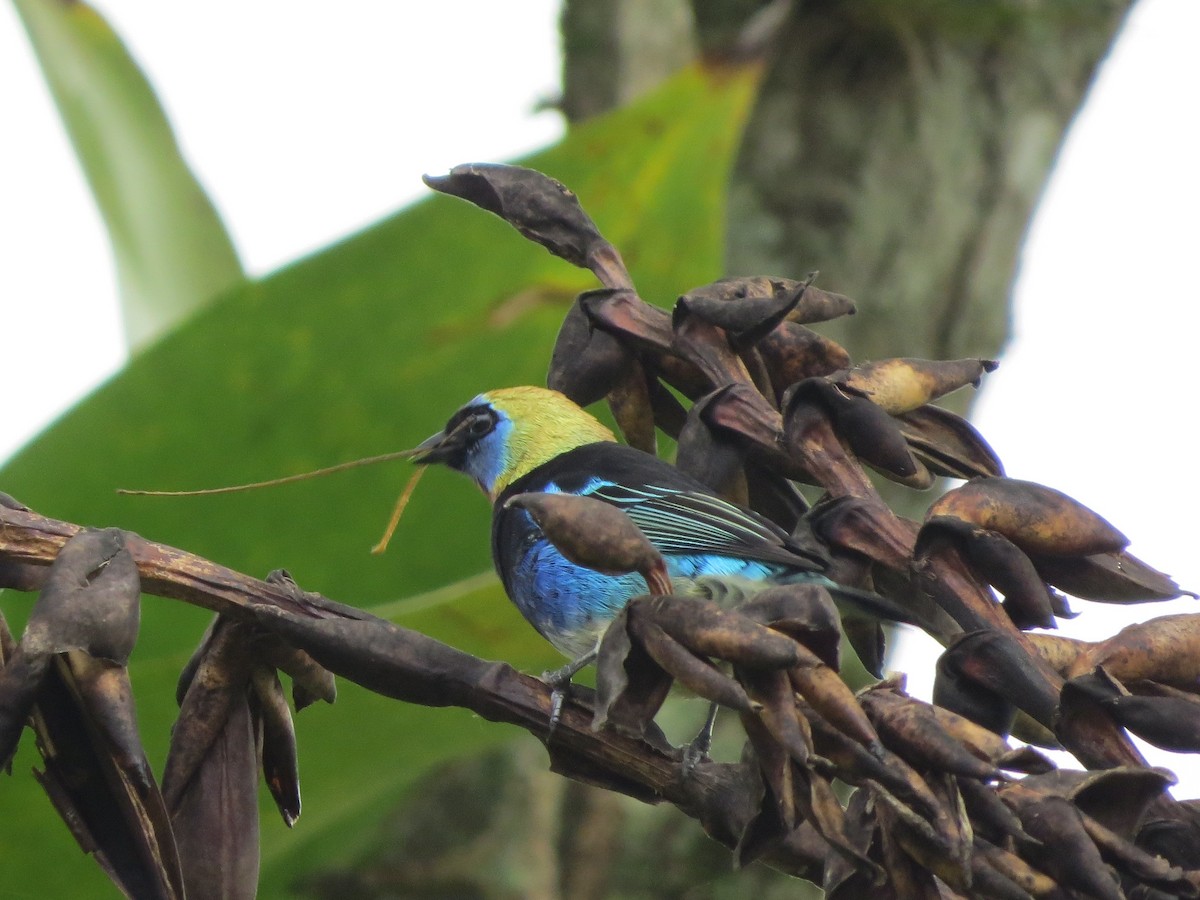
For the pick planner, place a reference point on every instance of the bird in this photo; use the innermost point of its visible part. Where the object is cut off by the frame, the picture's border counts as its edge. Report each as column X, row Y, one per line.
column 523, row 439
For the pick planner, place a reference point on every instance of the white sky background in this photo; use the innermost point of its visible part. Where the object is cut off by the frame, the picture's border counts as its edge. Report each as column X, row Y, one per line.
column 1096, row 396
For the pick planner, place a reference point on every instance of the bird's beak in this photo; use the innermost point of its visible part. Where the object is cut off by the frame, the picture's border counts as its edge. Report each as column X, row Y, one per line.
column 435, row 448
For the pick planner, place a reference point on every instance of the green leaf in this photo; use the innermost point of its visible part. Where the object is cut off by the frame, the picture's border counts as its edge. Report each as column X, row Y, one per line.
column 172, row 252
column 364, row 348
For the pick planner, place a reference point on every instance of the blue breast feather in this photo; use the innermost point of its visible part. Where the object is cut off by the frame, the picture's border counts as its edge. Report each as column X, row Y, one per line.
column 571, row 605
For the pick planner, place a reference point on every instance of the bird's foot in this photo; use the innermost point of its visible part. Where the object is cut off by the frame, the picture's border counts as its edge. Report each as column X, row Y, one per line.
column 696, row 750
column 560, row 685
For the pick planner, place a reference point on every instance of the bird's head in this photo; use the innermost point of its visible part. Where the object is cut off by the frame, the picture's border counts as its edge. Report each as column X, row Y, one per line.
column 504, row 434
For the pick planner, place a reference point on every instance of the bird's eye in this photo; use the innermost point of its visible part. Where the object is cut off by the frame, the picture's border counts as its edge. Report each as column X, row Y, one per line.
column 479, row 426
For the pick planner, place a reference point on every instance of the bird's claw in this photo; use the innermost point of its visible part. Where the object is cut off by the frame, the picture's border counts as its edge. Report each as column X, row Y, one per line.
column 559, row 681
column 696, row 750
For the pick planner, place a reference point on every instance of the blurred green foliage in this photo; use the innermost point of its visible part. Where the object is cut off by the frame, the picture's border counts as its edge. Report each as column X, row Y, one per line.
column 362, row 348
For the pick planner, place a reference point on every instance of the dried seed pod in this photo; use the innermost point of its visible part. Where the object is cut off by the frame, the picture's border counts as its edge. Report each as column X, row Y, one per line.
column 996, row 661
column 804, row 612
column 1038, row 519
column 1119, row 798
column 1169, row 721
column 901, row 385
column 1108, row 578
column 630, row 686
column 777, row 811
column 1002, row 564
column 586, row 363
column 310, row 680
column 811, row 304
column 711, row 458
column 123, row 823
column 1058, row 650
column 869, row 431
column 1069, row 854
column 280, row 759
column 1166, row 649
column 216, row 690
column 990, row 816
column 697, row 675
column 89, row 602
column 947, row 444
column 90, row 599
column 829, row 695
column 541, row 209
column 772, row 692
column 706, row 629
column 745, row 319
column 216, row 816
column 1018, row 871
column 743, row 414
column 1136, row 863
column 910, row 730
column 707, row 347
column 792, row 353
column 987, row 745
column 632, row 410
column 595, row 534
column 856, row 764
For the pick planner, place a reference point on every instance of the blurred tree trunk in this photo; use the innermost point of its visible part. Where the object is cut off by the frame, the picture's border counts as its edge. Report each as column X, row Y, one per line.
column 900, row 147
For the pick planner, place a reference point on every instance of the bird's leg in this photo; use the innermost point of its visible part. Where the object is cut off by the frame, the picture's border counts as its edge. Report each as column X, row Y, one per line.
column 560, row 683
column 697, row 749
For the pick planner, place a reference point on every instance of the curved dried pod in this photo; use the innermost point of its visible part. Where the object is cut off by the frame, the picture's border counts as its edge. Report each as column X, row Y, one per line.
column 629, row 318
column 984, row 674
column 1058, row 650
column 1119, row 798
column 852, row 523
column 804, row 612
column 595, row 534
column 278, row 751
column 89, row 603
column 711, row 457
column 1108, row 578
column 1068, row 852
column 792, row 353
column 832, row 698
column 630, row 686
column 632, row 409
column 1028, row 729
column 541, row 209
column 103, row 791
column 697, row 675
column 739, row 411
column 772, row 692
column 773, row 495
column 669, row 413
column 1035, row 884
column 814, row 304
column 1165, row 649
column 746, row 319
column 586, row 363
column 910, row 730
column 999, row 562
column 708, row 348
column 948, row 445
column 990, row 816
column 902, row 384
column 1168, row 721
column 811, row 440
column 869, row 431
column 1036, row 518
column 1140, row 867
column 708, row 630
